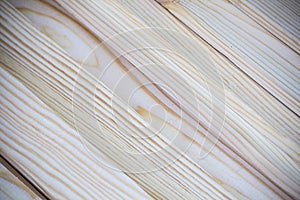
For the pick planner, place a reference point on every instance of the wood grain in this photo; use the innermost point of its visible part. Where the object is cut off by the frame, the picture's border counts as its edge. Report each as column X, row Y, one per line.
column 194, row 182
column 258, row 156
column 51, row 154
column 281, row 18
column 135, row 10
column 256, row 52
column 11, row 188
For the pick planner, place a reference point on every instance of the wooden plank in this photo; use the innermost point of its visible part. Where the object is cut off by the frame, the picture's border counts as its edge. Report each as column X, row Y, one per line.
column 141, row 18
column 231, row 76
column 235, row 105
column 259, row 54
column 51, row 154
column 11, row 188
column 194, row 182
column 44, row 16
column 281, row 18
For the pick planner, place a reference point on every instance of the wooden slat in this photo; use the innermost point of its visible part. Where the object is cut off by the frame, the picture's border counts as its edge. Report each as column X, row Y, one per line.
column 11, row 188
column 51, row 154
column 242, row 120
column 279, row 17
column 141, row 18
column 38, row 67
column 259, row 54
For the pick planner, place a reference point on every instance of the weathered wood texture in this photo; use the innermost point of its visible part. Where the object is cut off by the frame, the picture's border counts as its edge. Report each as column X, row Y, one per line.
column 255, row 51
column 231, row 131
column 11, row 188
column 45, row 149
column 194, row 182
column 279, row 17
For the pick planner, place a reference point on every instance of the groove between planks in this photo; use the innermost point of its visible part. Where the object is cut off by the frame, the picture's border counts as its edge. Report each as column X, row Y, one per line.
column 232, row 106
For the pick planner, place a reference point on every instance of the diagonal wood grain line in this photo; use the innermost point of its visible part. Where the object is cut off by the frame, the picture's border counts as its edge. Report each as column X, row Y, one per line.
column 29, row 10
column 254, row 135
column 102, row 29
column 22, row 181
column 251, row 48
column 281, row 18
column 193, row 180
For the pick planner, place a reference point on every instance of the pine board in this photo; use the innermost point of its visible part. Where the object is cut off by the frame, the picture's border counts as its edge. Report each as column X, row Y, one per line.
column 281, row 18
column 51, row 154
column 257, row 156
column 11, row 188
column 259, row 54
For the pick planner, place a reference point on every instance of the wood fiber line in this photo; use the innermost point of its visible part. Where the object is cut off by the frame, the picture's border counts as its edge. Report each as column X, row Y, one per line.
column 34, row 10
column 256, row 52
column 257, row 154
column 50, row 153
column 12, row 188
column 55, row 72
column 114, row 11
column 279, row 17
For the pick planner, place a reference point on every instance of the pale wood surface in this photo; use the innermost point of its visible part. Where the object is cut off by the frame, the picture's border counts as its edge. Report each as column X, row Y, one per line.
column 11, row 188
column 51, row 154
column 279, row 17
column 257, row 156
column 140, row 18
column 194, row 182
column 264, row 58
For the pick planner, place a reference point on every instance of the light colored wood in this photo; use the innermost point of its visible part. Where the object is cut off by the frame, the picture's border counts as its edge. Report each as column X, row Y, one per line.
column 51, row 154
column 81, row 43
column 256, row 52
column 194, row 182
column 279, row 17
column 41, row 15
column 140, row 18
column 288, row 121
column 248, row 129
column 11, row 188
column 207, row 163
